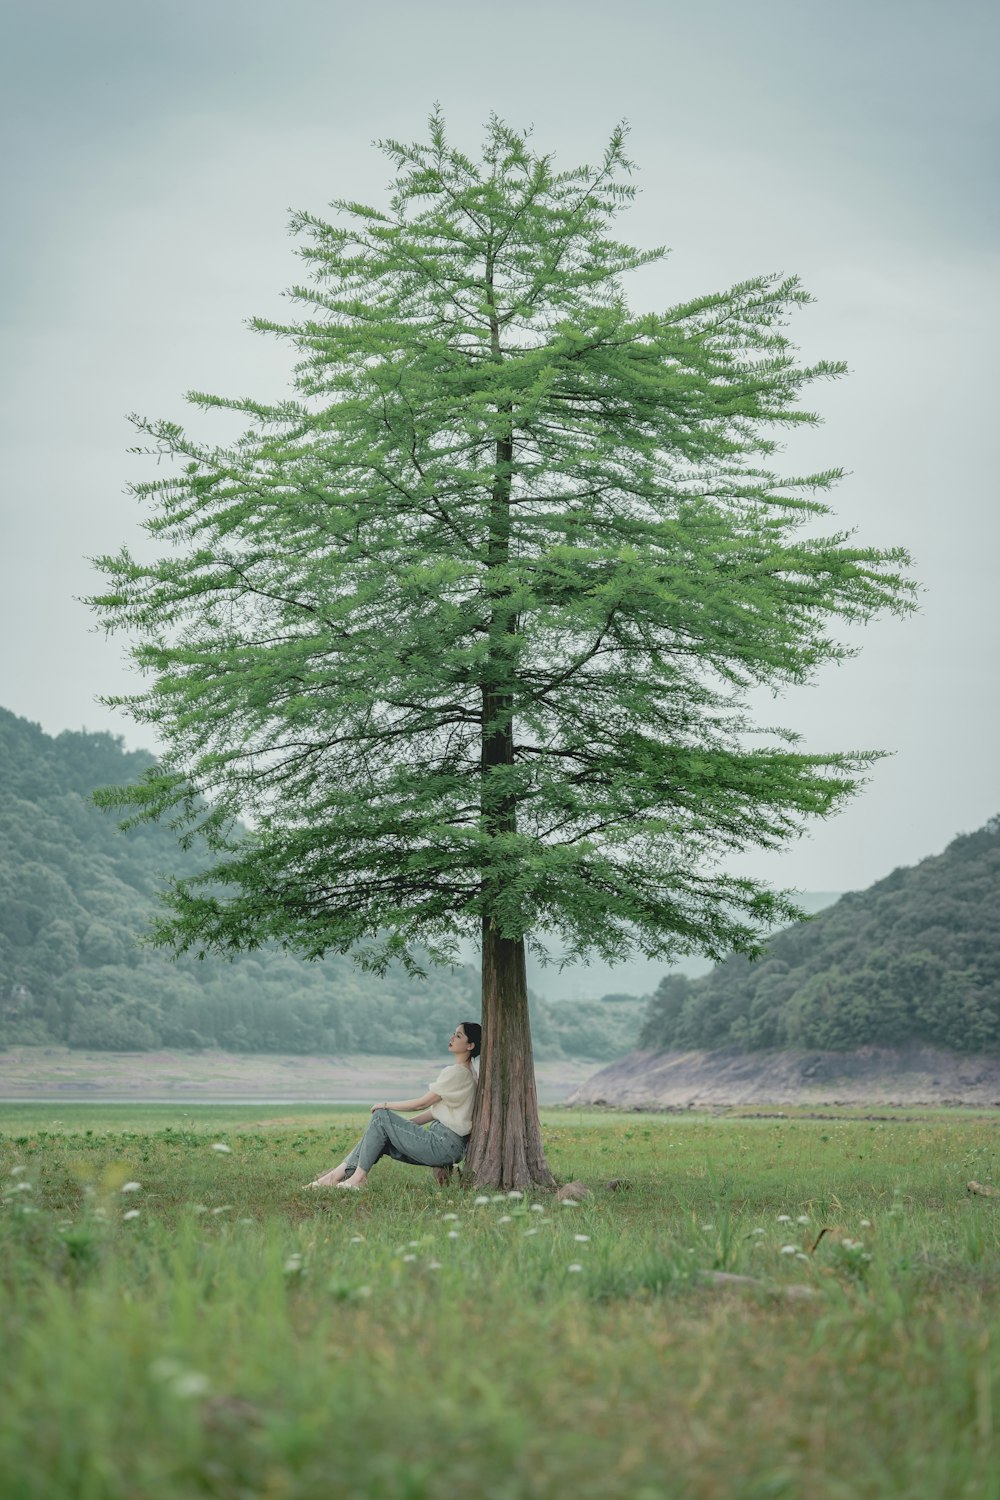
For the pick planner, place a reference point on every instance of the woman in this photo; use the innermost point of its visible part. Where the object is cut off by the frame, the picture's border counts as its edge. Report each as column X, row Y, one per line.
column 447, row 1114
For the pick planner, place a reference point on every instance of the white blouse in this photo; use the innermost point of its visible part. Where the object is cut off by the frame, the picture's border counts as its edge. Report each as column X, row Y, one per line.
column 457, row 1088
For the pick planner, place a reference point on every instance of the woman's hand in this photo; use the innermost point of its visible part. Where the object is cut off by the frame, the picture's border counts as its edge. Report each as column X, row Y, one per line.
column 409, row 1105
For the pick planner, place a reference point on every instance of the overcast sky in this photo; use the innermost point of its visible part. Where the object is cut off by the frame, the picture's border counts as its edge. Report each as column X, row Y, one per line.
column 152, row 154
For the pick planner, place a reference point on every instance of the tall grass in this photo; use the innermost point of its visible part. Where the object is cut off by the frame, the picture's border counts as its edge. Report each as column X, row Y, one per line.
column 218, row 1331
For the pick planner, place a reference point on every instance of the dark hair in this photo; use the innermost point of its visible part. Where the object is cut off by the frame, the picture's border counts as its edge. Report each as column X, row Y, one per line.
column 474, row 1033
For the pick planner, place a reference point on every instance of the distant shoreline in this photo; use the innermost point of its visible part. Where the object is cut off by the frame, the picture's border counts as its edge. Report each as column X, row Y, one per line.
column 914, row 1075
column 169, row 1101
column 44, row 1074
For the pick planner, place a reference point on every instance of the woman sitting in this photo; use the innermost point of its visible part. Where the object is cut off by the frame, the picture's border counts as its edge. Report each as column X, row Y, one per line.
column 447, row 1116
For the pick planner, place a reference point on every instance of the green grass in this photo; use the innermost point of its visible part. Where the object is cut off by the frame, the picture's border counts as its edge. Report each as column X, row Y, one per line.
column 239, row 1337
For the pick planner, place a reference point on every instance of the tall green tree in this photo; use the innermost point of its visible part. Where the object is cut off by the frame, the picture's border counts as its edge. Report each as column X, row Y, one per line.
column 466, row 628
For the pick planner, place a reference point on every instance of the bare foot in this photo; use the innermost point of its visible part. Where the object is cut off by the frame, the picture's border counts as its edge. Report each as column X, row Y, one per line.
column 355, row 1180
column 328, row 1179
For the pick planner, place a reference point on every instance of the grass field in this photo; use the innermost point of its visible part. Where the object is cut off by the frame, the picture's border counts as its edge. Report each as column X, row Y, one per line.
column 182, row 1320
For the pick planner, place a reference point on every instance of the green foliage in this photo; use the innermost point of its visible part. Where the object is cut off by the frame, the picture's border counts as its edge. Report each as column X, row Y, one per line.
column 76, row 897
column 465, row 628
column 916, row 958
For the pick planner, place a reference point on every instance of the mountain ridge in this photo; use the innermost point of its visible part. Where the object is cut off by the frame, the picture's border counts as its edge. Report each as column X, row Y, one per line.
column 914, row 958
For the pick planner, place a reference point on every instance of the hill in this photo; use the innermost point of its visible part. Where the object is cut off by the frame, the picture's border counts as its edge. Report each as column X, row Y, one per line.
column 76, row 894
column 913, row 960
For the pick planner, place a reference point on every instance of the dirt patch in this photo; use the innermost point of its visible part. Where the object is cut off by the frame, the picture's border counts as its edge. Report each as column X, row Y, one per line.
column 869, row 1075
column 150, row 1077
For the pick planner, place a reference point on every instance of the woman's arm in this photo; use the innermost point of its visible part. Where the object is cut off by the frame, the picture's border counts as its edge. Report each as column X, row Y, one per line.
column 409, row 1104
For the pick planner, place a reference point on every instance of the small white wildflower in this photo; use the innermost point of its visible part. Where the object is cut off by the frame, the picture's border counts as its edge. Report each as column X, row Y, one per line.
column 530, row 1231
column 449, row 1216
column 505, row 1219
column 538, row 1208
column 246, row 1221
column 198, row 1208
column 453, row 1234
column 784, row 1218
column 413, row 1244
column 758, row 1231
column 801, row 1255
column 23, row 1187
column 569, row 1203
column 132, row 1187
column 17, row 1171
column 190, row 1384
column 357, row 1239
column 362, row 1291
column 802, row 1219
column 293, row 1265
column 221, row 1147
column 480, row 1201
column 865, row 1223
column 223, row 1208
column 583, row 1238
column 851, row 1244
column 707, row 1227
column 515, row 1193
column 409, row 1257
column 133, row 1213
column 866, row 1256
column 575, row 1266
column 433, row 1265
column 789, row 1249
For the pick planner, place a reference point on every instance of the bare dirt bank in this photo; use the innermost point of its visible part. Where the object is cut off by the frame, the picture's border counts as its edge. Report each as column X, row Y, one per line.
column 869, row 1075
column 59, row 1073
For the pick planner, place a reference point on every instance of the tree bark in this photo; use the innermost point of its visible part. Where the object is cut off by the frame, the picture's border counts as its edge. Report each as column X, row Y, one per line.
column 505, row 1150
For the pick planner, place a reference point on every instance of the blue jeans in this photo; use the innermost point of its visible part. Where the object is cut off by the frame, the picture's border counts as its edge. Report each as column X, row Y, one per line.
column 389, row 1134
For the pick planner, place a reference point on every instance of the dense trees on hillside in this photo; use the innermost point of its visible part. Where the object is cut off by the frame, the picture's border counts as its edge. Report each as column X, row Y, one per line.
column 75, row 894
column 915, row 957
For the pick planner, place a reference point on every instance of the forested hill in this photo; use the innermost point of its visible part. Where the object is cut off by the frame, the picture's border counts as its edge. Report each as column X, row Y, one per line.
column 75, row 893
column 915, row 958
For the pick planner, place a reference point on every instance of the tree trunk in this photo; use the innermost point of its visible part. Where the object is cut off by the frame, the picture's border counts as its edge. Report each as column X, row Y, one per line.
column 505, row 1150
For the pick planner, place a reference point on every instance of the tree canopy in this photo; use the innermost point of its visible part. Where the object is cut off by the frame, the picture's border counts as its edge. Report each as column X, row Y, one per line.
column 466, row 627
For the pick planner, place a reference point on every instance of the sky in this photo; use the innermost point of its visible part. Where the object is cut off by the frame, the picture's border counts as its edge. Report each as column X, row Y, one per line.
column 153, row 155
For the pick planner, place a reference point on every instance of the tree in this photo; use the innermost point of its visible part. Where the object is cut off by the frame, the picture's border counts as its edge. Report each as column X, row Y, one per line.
column 465, row 629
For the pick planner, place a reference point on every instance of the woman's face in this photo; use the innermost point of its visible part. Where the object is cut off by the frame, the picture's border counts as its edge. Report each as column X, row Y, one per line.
column 460, row 1044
